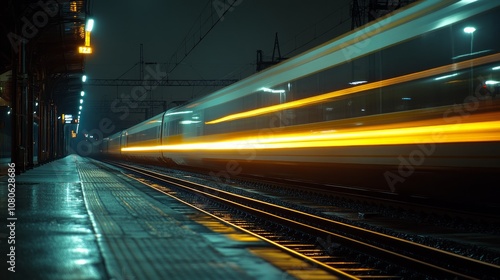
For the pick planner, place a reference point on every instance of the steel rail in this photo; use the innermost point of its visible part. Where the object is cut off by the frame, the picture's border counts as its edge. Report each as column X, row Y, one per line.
column 403, row 252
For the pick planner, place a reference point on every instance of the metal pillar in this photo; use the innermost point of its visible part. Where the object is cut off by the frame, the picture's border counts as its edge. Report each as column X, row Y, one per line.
column 15, row 111
column 30, row 121
column 60, row 137
column 42, row 132
column 55, row 125
column 45, row 131
column 52, row 136
column 24, row 110
column 19, row 106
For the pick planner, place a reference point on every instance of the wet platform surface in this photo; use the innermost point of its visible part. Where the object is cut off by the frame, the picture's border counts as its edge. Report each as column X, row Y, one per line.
column 74, row 220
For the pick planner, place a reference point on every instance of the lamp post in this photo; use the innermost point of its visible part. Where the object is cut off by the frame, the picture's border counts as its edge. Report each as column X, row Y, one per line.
column 87, row 49
column 470, row 30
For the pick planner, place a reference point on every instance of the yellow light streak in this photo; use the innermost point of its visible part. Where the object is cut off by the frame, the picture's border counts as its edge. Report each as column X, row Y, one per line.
column 449, row 133
column 334, row 94
column 87, row 49
column 87, row 38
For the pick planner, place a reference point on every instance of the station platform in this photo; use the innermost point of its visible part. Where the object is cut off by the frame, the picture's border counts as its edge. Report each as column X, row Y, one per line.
column 73, row 220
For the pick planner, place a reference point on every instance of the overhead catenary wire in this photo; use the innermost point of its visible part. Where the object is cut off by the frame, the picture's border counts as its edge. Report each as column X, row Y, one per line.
column 206, row 18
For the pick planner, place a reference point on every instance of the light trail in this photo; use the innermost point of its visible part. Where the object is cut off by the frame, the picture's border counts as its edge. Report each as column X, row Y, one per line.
column 352, row 90
column 448, row 133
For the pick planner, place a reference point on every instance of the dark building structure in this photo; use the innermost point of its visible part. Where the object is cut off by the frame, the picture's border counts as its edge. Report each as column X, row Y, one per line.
column 41, row 72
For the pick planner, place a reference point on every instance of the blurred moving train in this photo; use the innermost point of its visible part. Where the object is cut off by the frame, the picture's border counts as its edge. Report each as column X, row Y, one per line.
column 407, row 104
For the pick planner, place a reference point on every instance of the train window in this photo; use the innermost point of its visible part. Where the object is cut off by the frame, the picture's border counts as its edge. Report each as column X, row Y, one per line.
column 174, row 126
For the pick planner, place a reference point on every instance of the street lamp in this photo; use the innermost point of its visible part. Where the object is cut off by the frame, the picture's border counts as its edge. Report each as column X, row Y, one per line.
column 90, row 25
column 87, row 49
column 470, row 30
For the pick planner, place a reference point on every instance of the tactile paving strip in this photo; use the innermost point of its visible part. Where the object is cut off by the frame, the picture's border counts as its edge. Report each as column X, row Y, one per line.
column 140, row 239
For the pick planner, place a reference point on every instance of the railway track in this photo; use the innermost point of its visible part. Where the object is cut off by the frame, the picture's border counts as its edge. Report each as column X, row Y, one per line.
column 461, row 209
column 300, row 234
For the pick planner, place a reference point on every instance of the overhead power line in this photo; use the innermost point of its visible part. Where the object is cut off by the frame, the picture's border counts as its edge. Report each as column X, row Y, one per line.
column 212, row 13
column 157, row 83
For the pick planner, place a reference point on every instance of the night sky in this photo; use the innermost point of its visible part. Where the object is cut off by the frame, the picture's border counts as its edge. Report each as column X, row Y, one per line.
column 227, row 52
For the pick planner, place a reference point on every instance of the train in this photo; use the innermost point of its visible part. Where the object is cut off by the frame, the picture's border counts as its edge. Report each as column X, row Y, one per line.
column 408, row 104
